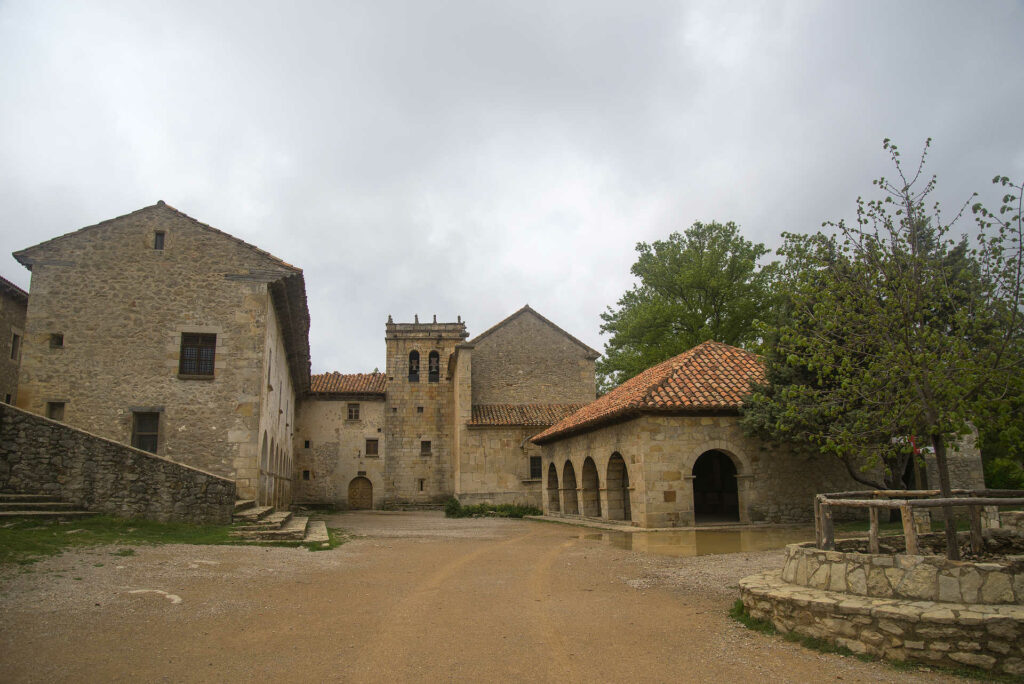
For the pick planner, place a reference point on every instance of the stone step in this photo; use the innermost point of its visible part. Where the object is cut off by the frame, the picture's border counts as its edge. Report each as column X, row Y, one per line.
column 316, row 533
column 254, row 513
column 273, row 521
column 15, row 498
column 35, row 506
column 293, row 530
column 243, row 504
column 4, row 515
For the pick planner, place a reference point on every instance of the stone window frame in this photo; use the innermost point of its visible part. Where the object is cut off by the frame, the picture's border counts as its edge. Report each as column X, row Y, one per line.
column 434, row 367
column 137, row 411
column 217, row 347
column 426, row 447
column 55, row 406
column 539, row 462
column 57, row 340
column 414, row 366
column 352, row 409
column 375, row 443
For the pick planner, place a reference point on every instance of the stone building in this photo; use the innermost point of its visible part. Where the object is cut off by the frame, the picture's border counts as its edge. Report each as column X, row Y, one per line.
column 13, row 307
column 457, row 415
column 665, row 449
column 340, row 448
column 156, row 330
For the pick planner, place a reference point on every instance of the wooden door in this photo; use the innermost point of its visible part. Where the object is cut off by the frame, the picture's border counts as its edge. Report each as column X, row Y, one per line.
column 360, row 494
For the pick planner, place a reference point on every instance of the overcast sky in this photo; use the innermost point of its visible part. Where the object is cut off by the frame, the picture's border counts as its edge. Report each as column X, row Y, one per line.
column 466, row 158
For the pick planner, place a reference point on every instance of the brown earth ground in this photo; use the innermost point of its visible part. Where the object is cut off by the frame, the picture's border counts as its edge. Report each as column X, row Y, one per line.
column 414, row 597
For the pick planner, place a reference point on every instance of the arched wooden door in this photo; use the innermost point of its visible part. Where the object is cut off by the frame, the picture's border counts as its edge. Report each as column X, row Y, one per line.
column 360, row 494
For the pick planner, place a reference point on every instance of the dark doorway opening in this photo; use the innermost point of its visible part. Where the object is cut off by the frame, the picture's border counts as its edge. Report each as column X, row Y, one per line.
column 715, row 494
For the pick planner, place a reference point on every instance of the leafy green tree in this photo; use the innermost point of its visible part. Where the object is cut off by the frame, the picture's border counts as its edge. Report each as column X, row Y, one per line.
column 895, row 328
column 702, row 284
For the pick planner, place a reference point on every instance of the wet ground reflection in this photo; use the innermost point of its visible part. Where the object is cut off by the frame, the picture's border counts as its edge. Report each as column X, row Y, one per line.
column 703, row 542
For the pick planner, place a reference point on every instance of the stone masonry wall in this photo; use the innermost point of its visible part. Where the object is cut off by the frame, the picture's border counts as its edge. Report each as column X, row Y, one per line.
column 337, row 449
column 41, row 456
column 527, row 361
column 495, row 466
column 122, row 306
column 12, row 322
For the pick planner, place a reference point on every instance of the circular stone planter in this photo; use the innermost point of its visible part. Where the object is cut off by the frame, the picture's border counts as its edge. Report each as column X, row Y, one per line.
column 897, row 575
column 891, row 605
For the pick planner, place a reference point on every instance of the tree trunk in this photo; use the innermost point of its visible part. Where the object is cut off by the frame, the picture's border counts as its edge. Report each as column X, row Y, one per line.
column 952, row 546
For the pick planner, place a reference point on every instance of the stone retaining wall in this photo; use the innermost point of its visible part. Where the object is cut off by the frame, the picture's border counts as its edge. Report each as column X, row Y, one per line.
column 950, row 634
column 895, row 575
column 42, row 456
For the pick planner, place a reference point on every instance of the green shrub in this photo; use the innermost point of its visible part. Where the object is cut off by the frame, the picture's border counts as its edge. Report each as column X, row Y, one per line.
column 454, row 509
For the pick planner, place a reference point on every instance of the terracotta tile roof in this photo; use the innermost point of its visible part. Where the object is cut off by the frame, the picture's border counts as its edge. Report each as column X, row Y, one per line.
column 710, row 377
column 12, row 289
column 532, row 415
column 348, row 383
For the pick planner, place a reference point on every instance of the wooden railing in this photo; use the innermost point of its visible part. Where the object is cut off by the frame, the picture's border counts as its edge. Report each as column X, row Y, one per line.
column 906, row 500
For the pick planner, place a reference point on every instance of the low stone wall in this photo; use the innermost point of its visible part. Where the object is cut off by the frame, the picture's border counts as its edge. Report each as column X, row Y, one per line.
column 41, row 456
column 951, row 634
column 896, row 575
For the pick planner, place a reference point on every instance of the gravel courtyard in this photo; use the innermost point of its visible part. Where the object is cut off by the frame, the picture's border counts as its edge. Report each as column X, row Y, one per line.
column 412, row 597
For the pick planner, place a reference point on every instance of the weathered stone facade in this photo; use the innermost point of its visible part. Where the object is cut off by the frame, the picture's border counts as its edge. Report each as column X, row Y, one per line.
column 41, row 456
column 13, row 307
column 331, row 450
column 110, row 306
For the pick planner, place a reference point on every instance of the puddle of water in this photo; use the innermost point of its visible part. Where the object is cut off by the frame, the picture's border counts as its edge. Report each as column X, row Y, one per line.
column 702, row 542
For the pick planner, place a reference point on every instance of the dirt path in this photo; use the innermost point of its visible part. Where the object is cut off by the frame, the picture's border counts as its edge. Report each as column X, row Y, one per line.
column 416, row 598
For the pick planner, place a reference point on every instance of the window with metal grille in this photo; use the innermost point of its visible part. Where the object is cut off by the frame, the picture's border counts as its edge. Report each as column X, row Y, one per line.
column 434, row 367
column 414, row 366
column 145, row 430
column 425, row 447
column 535, row 467
column 372, row 446
column 55, row 410
column 158, row 240
column 197, row 352
column 353, row 411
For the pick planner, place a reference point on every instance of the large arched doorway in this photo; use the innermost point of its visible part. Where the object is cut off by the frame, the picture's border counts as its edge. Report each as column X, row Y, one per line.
column 553, row 506
column 715, row 494
column 572, row 504
column 617, row 483
column 591, row 487
column 360, row 494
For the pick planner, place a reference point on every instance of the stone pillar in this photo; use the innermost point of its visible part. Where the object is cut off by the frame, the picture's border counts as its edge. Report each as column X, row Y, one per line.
column 687, row 515
column 744, row 488
column 602, row 498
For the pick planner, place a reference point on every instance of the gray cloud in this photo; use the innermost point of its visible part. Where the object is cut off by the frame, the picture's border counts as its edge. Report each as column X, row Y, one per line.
column 466, row 158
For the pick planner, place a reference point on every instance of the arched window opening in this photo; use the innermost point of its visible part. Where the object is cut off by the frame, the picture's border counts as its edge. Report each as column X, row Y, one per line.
column 414, row 366
column 572, row 505
column 715, row 491
column 553, row 505
column 618, row 489
column 434, row 367
column 591, row 493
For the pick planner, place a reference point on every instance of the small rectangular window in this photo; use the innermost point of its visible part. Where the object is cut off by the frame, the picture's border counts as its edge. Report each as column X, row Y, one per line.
column 7, row 398
column 305, row 474
column 145, row 430
column 422, row 482
column 56, row 340
column 371, row 447
column 15, row 346
column 425, row 447
column 353, row 411
column 55, row 410
column 197, row 353
column 419, row 409
column 158, row 240
column 305, row 445
column 535, row 467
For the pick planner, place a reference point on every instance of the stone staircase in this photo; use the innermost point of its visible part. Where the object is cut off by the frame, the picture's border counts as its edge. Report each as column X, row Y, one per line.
column 38, row 506
column 265, row 524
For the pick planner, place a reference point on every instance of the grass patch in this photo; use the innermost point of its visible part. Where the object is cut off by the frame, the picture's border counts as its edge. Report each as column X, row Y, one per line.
column 454, row 509
column 26, row 541
column 739, row 613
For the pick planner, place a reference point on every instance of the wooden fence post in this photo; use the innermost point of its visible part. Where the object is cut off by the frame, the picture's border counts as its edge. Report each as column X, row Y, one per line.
column 873, row 530
column 828, row 532
column 977, row 542
column 909, row 529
